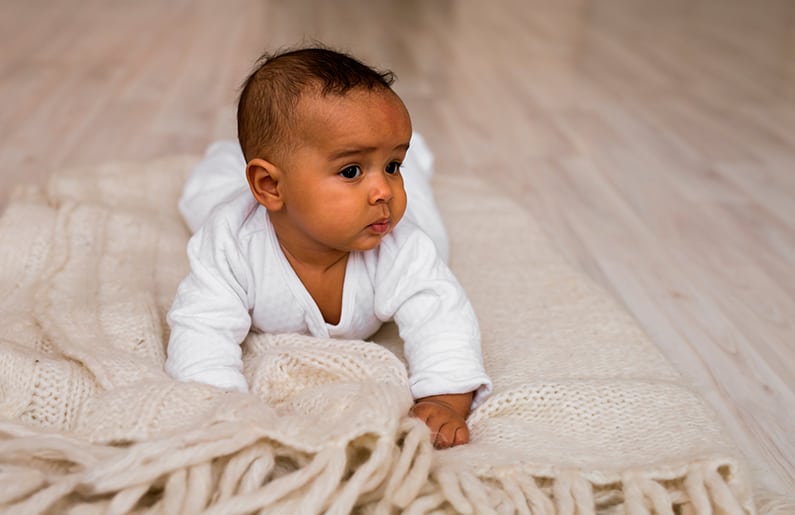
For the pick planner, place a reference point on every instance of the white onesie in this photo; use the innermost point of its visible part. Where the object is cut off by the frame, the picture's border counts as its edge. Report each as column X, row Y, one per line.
column 240, row 280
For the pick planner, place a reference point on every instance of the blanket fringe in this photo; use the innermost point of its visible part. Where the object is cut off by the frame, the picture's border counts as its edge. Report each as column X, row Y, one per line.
column 701, row 490
column 410, row 473
column 235, row 469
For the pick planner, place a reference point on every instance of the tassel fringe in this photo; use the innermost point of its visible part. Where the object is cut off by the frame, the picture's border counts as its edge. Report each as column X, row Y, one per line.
column 237, row 470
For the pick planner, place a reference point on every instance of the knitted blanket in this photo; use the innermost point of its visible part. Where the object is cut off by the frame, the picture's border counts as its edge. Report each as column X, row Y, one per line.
column 586, row 417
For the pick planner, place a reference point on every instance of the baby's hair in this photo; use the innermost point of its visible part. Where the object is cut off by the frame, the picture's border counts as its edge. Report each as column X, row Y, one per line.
column 266, row 111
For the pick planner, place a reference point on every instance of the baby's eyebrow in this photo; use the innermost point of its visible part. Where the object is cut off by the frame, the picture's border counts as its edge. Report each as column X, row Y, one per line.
column 349, row 152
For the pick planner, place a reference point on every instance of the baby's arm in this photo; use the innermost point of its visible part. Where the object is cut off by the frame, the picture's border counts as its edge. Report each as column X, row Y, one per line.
column 445, row 415
column 440, row 333
column 209, row 317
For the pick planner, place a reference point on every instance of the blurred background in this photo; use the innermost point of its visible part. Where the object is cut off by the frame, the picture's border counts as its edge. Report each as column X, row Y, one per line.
column 654, row 141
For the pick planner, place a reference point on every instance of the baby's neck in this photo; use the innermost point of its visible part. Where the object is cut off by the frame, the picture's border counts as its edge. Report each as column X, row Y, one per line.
column 313, row 260
column 323, row 276
column 304, row 254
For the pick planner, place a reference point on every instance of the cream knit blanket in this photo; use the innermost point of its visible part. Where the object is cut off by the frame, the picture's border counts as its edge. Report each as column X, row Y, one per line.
column 586, row 416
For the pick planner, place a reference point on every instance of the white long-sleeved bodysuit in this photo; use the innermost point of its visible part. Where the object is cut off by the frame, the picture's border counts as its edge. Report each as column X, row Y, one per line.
column 240, row 279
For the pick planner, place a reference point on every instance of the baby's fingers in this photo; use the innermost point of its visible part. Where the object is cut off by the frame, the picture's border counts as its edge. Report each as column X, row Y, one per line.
column 447, row 428
column 461, row 435
column 444, row 437
column 450, row 434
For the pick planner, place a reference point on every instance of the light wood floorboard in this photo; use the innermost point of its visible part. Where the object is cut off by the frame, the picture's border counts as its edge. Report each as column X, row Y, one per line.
column 654, row 141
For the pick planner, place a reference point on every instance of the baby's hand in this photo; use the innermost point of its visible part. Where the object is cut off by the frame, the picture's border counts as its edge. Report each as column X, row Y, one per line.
column 445, row 415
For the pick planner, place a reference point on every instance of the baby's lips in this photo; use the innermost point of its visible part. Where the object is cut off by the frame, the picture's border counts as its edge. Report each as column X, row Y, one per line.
column 381, row 226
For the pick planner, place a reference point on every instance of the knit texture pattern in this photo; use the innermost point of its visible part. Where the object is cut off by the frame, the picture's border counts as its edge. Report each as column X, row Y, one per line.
column 586, row 416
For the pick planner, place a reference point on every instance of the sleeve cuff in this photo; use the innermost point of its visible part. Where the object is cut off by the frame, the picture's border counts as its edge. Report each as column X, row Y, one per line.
column 427, row 386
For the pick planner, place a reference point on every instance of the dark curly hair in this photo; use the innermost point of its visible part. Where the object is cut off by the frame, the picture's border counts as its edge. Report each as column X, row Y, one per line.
column 266, row 111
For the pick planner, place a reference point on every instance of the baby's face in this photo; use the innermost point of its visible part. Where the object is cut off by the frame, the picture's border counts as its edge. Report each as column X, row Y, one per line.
column 342, row 186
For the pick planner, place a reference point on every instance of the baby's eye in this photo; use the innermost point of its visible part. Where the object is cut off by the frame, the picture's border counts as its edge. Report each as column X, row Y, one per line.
column 351, row 172
column 393, row 168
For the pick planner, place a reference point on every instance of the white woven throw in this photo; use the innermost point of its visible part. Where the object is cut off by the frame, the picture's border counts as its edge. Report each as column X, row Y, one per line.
column 586, row 417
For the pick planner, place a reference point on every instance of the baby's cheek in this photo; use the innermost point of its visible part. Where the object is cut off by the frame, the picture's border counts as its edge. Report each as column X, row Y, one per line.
column 398, row 206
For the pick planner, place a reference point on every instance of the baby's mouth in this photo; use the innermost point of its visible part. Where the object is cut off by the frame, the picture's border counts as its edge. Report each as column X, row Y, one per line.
column 381, row 226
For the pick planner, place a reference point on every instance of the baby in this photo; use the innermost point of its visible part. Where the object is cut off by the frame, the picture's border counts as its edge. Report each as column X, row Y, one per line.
column 305, row 227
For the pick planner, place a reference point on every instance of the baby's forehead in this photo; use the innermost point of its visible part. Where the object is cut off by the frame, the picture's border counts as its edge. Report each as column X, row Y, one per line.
column 329, row 109
column 313, row 100
column 362, row 118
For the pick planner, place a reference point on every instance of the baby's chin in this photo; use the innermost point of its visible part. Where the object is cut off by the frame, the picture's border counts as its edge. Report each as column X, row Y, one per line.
column 364, row 247
column 369, row 243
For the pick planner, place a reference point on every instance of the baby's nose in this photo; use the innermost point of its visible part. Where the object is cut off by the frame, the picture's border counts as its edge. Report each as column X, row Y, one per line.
column 380, row 189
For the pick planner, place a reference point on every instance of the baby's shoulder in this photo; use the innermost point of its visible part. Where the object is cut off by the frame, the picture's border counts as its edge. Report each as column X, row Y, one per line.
column 237, row 217
column 232, row 228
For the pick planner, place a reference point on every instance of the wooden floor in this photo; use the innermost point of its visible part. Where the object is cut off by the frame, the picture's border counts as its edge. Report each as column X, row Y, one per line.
column 654, row 140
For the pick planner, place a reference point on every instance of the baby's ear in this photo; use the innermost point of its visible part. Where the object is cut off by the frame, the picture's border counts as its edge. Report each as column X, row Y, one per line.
column 263, row 179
